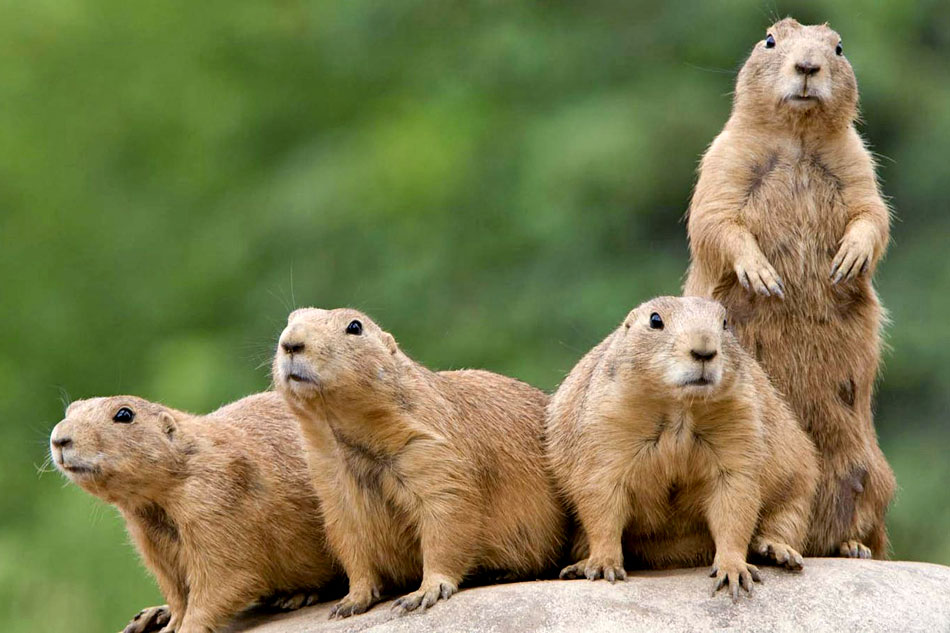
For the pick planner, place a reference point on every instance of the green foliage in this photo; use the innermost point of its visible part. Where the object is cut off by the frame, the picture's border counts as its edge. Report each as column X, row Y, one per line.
column 497, row 183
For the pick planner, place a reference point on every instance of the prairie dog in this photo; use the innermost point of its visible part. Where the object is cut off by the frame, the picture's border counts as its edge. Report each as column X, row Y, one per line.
column 421, row 475
column 672, row 446
column 786, row 228
column 220, row 506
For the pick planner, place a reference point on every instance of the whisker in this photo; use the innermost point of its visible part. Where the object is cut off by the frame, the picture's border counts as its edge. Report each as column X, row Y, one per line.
column 282, row 301
column 64, row 398
column 723, row 71
column 45, row 467
column 293, row 299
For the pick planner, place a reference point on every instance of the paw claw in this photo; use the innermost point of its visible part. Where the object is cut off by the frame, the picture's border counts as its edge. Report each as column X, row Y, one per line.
column 613, row 574
column 854, row 549
column 150, row 619
column 754, row 572
column 852, row 259
column 426, row 596
column 291, row 601
column 780, row 553
column 607, row 569
column 756, row 274
column 593, row 569
column 354, row 603
column 735, row 573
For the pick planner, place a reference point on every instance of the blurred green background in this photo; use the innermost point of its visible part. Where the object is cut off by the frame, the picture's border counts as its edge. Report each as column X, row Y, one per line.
column 497, row 183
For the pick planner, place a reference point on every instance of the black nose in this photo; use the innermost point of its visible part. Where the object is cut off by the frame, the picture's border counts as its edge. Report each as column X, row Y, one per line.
column 292, row 348
column 62, row 442
column 704, row 355
column 807, row 68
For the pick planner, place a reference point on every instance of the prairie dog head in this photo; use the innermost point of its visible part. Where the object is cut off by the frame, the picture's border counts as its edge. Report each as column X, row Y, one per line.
column 117, row 448
column 679, row 346
column 801, row 73
column 338, row 352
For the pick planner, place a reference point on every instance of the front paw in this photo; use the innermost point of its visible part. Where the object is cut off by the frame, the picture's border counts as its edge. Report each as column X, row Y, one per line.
column 735, row 572
column 150, row 619
column 853, row 258
column 780, row 553
column 593, row 568
column 756, row 274
column 358, row 600
column 431, row 591
column 854, row 549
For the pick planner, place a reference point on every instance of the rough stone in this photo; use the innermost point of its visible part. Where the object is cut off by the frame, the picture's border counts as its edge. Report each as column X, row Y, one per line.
column 829, row 595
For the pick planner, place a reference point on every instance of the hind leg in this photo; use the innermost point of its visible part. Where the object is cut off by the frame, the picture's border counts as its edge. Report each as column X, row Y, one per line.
column 149, row 619
column 867, row 476
column 854, row 549
column 877, row 541
column 292, row 600
column 849, row 520
column 870, row 508
column 781, row 534
column 854, row 490
column 779, row 552
column 836, row 527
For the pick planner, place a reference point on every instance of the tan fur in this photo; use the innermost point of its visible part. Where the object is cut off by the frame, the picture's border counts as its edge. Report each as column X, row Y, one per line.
column 220, row 506
column 786, row 228
column 420, row 473
column 665, row 473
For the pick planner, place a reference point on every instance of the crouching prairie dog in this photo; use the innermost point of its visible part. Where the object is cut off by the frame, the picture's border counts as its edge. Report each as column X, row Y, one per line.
column 220, row 506
column 786, row 227
column 421, row 474
column 674, row 448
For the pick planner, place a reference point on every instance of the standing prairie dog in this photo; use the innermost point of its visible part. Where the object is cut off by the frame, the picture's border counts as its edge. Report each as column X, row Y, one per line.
column 421, row 474
column 220, row 506
column 672, row 446
column 786, row 227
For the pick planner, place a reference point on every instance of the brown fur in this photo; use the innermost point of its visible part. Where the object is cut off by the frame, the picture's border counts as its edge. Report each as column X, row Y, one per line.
column 220, row 506
column 664, row 473
column 420, row 473
column 786, row 228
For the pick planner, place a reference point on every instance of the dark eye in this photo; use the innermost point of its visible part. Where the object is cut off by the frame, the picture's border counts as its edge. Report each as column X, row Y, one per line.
column 838, row 49
column 725, row 324
column 769, row 41
column 355, row 327
column 124, row 415
column 656, row 322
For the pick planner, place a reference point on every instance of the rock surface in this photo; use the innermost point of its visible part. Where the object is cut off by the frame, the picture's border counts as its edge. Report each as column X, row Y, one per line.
column 829, row 595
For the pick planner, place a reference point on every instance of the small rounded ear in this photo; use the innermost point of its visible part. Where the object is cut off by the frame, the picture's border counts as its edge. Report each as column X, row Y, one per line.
column 390, row 343
column 630, row 320
column 169, row 426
